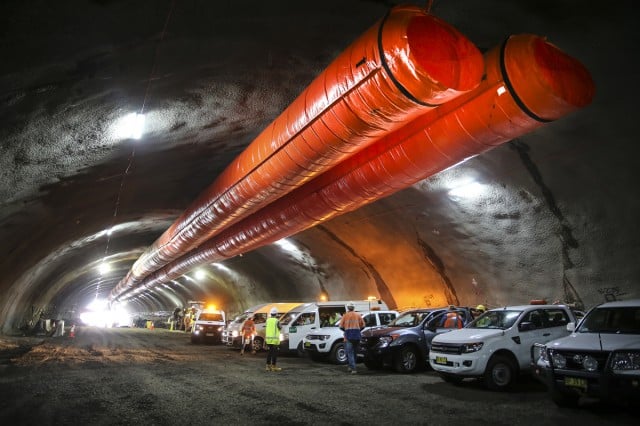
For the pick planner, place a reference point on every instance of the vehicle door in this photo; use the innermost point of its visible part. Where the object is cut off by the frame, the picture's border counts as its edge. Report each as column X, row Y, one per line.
column 300, row 327
column 436, row 325
column 556, row 320
column 529, row 329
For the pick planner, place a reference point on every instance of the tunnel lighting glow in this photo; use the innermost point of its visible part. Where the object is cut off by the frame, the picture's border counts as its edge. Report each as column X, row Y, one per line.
column 221, row 267
column 286, row 245
column 501, row 90
column 104, row 268
column 200, row 274
column 469, row 190
column 98, row 314
column 130, row 126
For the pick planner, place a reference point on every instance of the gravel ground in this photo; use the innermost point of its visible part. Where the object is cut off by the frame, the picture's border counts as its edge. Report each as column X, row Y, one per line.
column 157, row 377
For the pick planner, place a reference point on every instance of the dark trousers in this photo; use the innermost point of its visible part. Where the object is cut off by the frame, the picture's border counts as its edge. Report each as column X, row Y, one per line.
column 272, row 354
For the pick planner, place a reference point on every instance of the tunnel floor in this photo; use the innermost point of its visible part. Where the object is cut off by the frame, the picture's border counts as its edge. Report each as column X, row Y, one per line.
column 129, row 376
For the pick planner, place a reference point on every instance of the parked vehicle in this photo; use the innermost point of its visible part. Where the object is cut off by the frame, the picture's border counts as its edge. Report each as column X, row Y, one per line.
column 231, row 334
column 601, row 357
column 260, row 319
column 328, row 341
column 208, row 326
column 404, row 343
column 306, row 317
column 496, row 346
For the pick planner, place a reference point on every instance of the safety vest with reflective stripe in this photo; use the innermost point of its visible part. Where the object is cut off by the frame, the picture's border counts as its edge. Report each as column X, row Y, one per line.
column 272, row 331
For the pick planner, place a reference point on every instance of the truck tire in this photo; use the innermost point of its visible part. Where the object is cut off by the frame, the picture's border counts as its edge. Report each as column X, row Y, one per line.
column 406, row 360
column 258, row 344
column 500, row 373
column 565, row 400
column 338, row 354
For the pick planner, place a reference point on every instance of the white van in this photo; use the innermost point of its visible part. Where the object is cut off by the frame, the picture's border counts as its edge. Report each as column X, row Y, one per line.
column 328, row 342
column 231, row 334
column 304, row 318
column 260, row 319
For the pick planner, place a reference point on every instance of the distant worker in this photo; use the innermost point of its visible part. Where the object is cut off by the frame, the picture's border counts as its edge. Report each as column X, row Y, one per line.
column 272, row 339
column 453, row 319
column 351, row 323
column 248, row 331
column 478, row 310
column 334, row 318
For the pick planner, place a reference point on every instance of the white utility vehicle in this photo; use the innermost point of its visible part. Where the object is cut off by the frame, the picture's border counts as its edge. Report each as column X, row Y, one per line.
column 601, row 358
column 328, row 341
column 307, row 317
column 497, row 345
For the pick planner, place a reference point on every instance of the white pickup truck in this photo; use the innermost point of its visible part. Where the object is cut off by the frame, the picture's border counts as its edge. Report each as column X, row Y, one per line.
column 497, row 345
column 328, row 342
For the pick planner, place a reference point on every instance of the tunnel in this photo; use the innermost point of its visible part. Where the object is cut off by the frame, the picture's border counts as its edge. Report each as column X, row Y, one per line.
column 548, row 212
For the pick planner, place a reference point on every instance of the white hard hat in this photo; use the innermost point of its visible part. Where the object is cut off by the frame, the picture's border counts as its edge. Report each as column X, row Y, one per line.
column 273, row 311
column 351, row 306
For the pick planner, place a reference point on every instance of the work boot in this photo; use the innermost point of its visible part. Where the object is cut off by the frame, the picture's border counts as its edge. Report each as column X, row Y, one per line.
column 268, row 367
column 274, row 368
column 242, row 351
column 253, row 352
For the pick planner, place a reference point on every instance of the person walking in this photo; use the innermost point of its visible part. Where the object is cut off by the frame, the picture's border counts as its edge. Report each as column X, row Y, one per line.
column 351, row 323
column 248, row 331
column 272, row 339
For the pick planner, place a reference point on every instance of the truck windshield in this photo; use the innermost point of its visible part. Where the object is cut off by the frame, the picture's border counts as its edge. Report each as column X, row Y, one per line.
column 409, row 319
column 501, row 319
column 206, row 316
column 619, row 320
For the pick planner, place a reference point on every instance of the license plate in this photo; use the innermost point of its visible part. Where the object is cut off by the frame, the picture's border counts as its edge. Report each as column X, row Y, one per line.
column 441, row 360
column 307, row 344
column 209, row 334
column 576, row 382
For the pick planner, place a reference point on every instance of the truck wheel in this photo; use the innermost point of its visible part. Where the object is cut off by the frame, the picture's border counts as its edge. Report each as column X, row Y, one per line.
column 373, row 364
column 300, row 350
column 500, row 373
column 565, row 400
column 406, row 361
column 338, row 354
column 258, row 344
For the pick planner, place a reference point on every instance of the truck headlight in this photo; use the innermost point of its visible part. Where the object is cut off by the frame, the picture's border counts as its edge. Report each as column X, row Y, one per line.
column 625, row 362
column 559, row 361
column 472, row 347
column 539, row 355
column 234, row 333
column 386, row 340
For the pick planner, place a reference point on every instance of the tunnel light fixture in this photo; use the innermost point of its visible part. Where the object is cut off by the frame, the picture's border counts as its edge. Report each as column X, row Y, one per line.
column 468, row 190
column 131, row 126
column 104, row 268
column 286, row 245
column 200, row 274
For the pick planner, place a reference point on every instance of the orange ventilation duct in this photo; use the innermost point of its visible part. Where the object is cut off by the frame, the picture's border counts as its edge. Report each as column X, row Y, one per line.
column 528, row 82
column 406, row 64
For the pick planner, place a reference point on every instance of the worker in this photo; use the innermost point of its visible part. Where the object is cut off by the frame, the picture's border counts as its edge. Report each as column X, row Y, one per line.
column 334, row 318
column 453, row 318
column 351, row 323
column 478, row 310
column 272, row 339
column 248, row 331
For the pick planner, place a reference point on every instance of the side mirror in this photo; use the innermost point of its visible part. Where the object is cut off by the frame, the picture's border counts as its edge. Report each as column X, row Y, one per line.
column 526, row 326
column 571, row 327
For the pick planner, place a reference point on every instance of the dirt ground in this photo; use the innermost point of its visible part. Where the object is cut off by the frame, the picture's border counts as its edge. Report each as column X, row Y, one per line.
column 157, row 377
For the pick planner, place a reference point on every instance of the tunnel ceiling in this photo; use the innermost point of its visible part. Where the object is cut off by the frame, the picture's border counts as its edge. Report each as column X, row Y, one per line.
column 552, row 214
